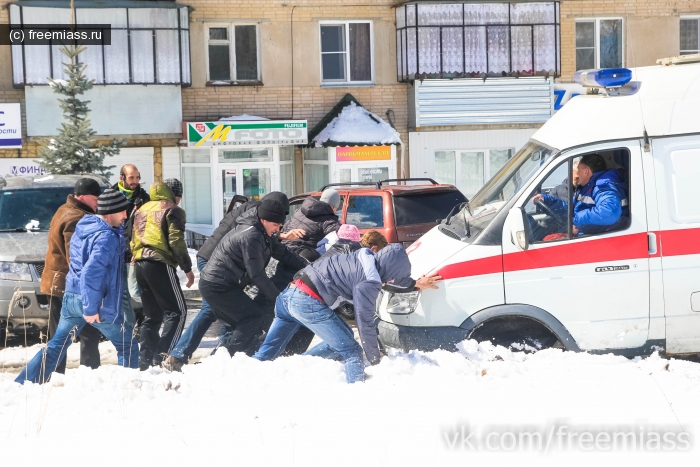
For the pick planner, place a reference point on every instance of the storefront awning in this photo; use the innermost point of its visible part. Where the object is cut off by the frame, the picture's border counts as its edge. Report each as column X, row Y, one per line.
column 350, row 124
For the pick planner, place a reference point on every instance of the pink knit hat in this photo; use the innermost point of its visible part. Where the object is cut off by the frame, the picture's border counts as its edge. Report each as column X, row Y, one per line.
column 349, row 232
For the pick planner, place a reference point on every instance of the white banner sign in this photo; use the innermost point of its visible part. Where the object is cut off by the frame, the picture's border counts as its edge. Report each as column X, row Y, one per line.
column 10, row 126
column 19, row 166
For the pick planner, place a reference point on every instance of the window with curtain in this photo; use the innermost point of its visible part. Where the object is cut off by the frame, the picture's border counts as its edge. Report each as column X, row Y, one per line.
column 469, row 169
column 287, row 184
column 599, row 43
column 148, row 46
column 457, row 40
column 690, row 39
column 316, row 168
column 346, row 52
column 232, row 53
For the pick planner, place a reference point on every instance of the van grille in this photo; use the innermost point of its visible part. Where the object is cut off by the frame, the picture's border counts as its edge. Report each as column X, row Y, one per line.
column 39, row 269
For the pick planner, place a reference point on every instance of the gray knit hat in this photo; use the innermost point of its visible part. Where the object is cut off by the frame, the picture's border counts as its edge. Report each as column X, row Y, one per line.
column 331, row 196
column 111, row 202
column 175, row 185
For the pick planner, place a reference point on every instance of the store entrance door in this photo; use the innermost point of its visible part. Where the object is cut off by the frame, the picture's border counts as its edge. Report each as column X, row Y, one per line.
column 253, row 182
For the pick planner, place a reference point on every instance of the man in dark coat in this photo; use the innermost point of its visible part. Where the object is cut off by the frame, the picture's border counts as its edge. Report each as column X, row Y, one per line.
column 190, row 339
column 317, row 219
column 53, row 279
column 240, row 260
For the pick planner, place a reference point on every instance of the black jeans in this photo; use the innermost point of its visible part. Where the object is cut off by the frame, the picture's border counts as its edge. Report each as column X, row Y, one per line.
column 163, row 304
column 89, row 338
column 247, row 317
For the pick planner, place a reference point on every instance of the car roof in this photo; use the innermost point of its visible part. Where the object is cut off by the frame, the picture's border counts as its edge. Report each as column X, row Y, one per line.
column 395, row 190
column 47, row 181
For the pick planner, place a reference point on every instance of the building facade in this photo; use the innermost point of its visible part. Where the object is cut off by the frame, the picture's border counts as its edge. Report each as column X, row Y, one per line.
column 465, row 84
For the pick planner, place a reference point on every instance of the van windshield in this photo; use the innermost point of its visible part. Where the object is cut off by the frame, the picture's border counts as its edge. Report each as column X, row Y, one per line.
column 501, row 188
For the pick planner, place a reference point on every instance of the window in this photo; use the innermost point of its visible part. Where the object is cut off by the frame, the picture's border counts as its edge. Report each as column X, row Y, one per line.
column 316, row 169
column 148, row 46
column 346, row 52
column 425, row 207
column 365, row 212
column 468, row 170
column 462, row 40
column 690, row 39
column 197, row 189
column 556, row 214
column 232, row 53
column 599, row 43
column 287, row 170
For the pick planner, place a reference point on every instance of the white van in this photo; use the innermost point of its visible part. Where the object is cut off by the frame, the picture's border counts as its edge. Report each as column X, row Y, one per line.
column 517, row 272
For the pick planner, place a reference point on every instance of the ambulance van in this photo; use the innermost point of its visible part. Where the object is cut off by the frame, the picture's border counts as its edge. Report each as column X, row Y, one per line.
column 518, row 272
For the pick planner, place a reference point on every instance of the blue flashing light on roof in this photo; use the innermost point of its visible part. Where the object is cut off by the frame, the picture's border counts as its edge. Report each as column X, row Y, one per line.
column 603, row 78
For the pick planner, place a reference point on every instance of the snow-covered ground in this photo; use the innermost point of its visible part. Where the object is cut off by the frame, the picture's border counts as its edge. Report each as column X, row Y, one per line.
column 417, row 409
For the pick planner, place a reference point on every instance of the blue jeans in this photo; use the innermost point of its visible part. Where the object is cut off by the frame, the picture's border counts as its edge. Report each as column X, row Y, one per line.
column 190, row 339
column 294, row 309
column 44, row 362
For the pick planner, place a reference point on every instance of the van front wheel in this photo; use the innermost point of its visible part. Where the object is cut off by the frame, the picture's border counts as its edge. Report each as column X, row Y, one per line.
column 516, row 333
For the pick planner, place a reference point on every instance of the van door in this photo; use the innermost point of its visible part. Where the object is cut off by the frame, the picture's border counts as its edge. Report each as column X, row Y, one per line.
column 595, row 283
column 677, row 168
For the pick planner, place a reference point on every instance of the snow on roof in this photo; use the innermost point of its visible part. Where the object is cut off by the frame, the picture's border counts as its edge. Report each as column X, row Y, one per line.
column 667, row 103
column 357, row 125
column 242, row 118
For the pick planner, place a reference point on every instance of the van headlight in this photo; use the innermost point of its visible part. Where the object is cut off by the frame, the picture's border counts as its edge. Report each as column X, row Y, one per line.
column 403, row 303
column 15, row 271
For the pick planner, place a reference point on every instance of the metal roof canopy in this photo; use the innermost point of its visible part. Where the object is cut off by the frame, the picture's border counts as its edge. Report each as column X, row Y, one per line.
column 666, row 103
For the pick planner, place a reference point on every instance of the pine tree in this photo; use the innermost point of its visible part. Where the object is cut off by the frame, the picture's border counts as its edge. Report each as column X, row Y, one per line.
column 72, row 152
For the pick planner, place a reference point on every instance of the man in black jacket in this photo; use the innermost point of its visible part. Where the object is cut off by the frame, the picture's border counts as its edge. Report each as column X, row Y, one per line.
column 190, row 339
column 130, row 186
column 317, row 219
column 240, row 260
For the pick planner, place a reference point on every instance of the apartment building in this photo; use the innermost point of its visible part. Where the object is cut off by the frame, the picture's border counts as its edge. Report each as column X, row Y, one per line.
column 248, row 96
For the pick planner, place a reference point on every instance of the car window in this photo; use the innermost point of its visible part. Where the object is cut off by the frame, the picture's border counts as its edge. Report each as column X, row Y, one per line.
column 20, row 208
column 568, row 210
column 422, row 208
column 365, row 212
column 293, row 206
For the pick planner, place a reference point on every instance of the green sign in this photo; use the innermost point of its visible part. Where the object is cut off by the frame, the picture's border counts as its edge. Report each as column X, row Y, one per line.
column 246, row 133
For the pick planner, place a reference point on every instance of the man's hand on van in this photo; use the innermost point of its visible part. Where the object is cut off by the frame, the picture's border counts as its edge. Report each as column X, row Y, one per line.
column 293, row 234
column 574, row 230
column 428, row 282
column 92, row 319
column 538, row 197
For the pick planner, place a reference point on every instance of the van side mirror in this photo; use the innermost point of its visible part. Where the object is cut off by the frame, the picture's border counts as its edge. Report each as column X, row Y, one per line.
column 519, row 228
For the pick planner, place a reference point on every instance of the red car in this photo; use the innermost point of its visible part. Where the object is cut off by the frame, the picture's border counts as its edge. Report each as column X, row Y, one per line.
column 402, row 213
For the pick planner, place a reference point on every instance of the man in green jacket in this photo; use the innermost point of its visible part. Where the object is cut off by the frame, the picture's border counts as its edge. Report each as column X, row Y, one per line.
column 158, row 245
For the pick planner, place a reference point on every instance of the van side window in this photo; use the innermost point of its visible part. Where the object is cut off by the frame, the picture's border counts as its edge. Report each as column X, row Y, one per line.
column 581, row 196
column 365, row 212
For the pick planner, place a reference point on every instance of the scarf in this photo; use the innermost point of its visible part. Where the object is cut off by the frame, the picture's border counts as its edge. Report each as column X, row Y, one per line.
column 125, row 191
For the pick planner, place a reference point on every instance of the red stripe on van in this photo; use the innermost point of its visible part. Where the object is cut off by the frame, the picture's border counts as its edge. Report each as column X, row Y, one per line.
column 620, row 248
column 679, row 242
column 477, row 267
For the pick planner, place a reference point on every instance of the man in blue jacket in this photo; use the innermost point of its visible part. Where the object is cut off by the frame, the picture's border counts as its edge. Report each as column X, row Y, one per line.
column 600, row 202
column 94, row 286
column 322, row 286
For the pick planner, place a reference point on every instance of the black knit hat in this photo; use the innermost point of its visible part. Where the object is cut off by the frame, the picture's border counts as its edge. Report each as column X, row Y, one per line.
column 175, row 185
column 111, row 201
column 87, row 186
column 271, row 210
column 281, row 197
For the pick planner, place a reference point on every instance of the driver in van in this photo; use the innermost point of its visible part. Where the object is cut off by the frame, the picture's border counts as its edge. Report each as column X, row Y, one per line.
column 600, row 202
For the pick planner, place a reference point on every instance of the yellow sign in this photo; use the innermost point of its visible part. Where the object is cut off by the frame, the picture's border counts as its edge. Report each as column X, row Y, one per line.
column 363, row 153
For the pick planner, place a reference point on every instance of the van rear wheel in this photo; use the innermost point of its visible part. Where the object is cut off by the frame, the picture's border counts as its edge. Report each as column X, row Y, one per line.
column 516, row 333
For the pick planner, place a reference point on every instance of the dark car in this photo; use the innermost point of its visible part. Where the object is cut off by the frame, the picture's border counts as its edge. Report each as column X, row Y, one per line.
column 27, row 205
column 402, row 213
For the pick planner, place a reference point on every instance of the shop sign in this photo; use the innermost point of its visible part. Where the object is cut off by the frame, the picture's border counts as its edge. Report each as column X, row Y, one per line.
column 363, row 153
column 19, row 166
column 10, row 126
column 246, row 133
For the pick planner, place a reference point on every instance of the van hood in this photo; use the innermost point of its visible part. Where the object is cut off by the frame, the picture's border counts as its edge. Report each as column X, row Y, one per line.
column 23, row 247
column 430, row 251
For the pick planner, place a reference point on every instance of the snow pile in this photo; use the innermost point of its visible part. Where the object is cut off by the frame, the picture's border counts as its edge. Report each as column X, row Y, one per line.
column 32, row 225
column 183, row 278
column 299, row 410
column 242, row 118
column 356, row 124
